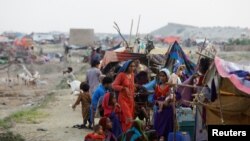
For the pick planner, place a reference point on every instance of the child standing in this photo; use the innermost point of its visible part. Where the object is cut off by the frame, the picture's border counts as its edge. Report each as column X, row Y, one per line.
column 164, row 119
column 112, row 110
column 85, row 99
column 110, row 104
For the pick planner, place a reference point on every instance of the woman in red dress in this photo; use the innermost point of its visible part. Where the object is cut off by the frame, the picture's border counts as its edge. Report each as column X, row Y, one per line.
column 124, row 84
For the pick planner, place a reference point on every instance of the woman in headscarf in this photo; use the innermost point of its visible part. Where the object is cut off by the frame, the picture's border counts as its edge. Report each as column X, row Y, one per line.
column 112, row 110
column 163, row 117
column 107, row 126
column 135, row 133
column 124, row 84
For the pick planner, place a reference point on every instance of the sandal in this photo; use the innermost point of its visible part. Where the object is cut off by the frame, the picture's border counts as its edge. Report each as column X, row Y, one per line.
column 79, row 126
column 76, row 126
column 82, row 126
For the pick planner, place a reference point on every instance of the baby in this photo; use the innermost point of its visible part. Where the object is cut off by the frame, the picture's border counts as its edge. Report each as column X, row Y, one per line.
column 167, row 100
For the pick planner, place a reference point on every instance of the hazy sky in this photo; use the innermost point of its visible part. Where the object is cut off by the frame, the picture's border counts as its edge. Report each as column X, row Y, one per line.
column 61, row 15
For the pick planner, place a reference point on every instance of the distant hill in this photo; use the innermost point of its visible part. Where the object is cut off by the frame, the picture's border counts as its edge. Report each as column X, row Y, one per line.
column 187, row 31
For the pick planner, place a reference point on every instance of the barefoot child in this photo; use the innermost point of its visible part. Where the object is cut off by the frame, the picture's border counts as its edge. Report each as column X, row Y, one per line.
column 174, row 79
column 85, row 100
column 163, row 119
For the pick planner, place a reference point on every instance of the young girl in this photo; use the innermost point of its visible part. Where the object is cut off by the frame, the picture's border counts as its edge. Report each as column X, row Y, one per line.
column 113, row 111
column 163, row 120
column 97, row 135
column 106, row 124
column 110, row 104
column 85, row 100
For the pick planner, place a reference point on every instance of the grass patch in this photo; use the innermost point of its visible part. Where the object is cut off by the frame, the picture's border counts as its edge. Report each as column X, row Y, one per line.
column 31, row 115
column 5, row 124
column 26, row 116
column 9, row 136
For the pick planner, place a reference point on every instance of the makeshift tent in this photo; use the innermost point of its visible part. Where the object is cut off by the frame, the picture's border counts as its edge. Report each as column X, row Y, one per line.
column 171, row 39
column 159, row 50
column 23, row 42
column 176, row 53
column 232, row 93
column 112, row 58
column 4, row 39
column 228, row 97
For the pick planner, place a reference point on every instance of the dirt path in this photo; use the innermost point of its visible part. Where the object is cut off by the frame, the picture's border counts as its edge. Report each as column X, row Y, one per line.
column 58, row 124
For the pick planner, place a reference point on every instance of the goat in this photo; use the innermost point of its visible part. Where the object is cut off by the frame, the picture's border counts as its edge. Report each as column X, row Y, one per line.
column 9, row 82
column 24, row 77
column 75, row 86
column 29, row 79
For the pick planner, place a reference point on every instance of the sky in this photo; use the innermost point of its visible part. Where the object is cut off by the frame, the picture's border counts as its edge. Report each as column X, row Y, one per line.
column 61, row 15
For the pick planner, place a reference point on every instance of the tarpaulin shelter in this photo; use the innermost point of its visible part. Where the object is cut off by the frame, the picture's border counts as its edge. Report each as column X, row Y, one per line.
column 4, row 39
column 176, row 53
column 230, row 94
column 112, row 58
column 23, row 42
column 171, row 39
column 223, row 98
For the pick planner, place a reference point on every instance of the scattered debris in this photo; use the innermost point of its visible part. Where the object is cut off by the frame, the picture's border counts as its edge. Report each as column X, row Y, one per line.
column 41, row 129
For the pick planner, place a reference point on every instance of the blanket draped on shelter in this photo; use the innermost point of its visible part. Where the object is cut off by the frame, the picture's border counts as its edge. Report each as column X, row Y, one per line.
column 176, row 53
column 112, row 58
column 232, row 105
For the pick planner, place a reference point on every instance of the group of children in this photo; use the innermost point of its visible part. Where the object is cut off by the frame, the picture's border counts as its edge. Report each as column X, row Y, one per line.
column 109, row 104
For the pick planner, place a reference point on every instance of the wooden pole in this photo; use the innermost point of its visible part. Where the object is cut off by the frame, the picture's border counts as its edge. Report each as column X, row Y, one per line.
column 131, row 28
column 119, row 31
column 136, row 35
column 200, row 54
column 198, row 61
column 169, row 48
column 182, row 85
column 174, row 114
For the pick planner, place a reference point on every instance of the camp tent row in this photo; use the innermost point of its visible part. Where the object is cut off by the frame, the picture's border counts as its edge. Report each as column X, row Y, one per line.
column 153, row 61
column 229, row 94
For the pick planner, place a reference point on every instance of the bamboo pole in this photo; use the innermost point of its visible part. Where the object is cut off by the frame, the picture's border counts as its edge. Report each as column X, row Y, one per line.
column 198, row 61
column 131, row 28
column 200, row 54
column 182, row 85
column 119, row 31
column 174, row 114
column 137, row 30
